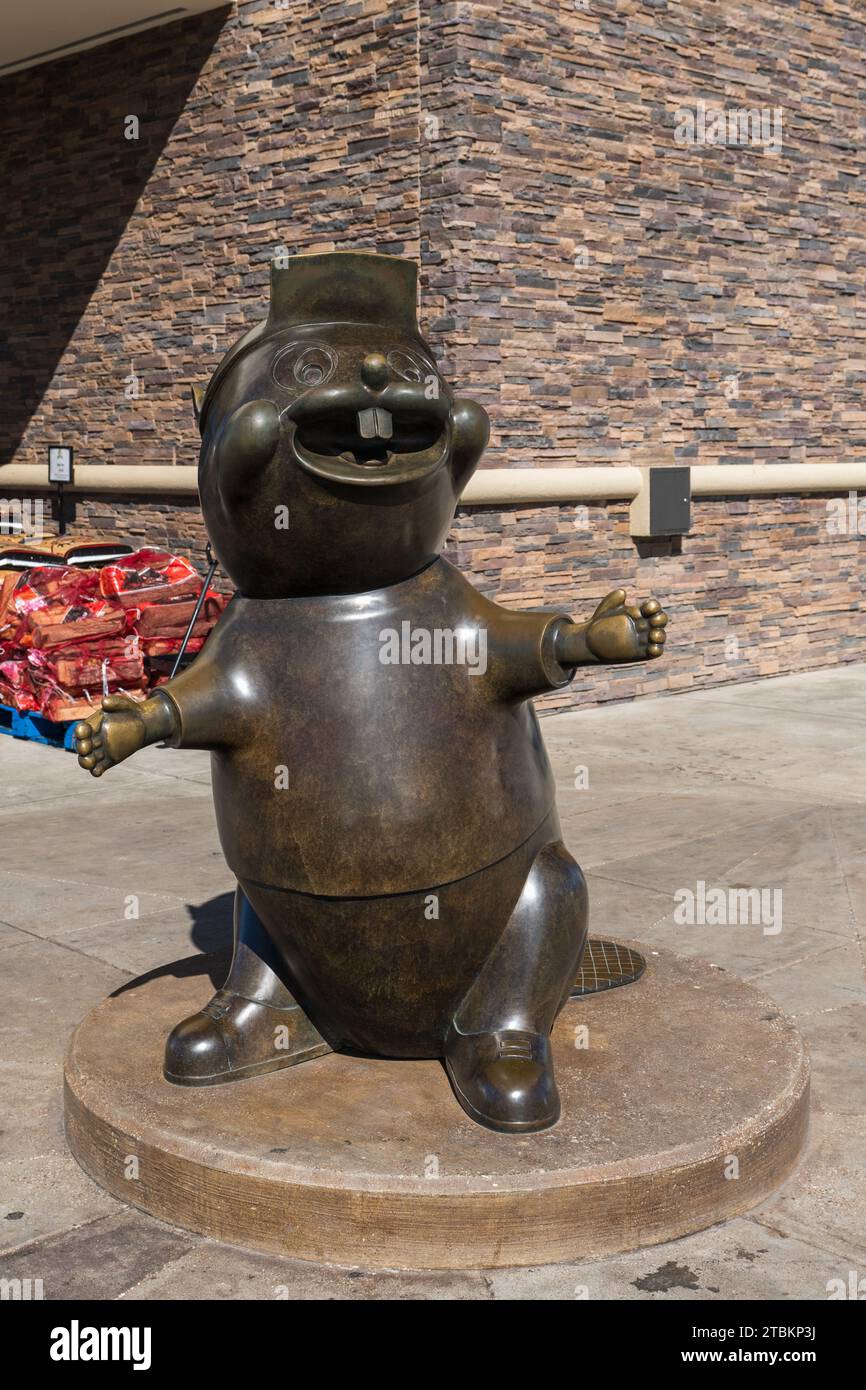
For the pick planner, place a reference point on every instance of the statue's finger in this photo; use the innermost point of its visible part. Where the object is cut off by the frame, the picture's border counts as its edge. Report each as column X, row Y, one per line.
column 610, row 602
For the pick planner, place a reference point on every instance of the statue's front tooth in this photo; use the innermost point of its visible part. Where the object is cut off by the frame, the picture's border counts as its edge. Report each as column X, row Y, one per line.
column 375, row 423
column 384, row 423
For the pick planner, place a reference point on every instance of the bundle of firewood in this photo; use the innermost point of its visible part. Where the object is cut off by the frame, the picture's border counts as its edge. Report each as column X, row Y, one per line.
column 70, row 635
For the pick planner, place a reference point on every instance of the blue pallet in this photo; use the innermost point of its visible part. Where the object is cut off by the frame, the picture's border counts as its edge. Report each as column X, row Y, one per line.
column 37, row 728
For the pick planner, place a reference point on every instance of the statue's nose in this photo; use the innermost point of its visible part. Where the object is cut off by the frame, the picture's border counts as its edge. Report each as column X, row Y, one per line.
column 374, row 371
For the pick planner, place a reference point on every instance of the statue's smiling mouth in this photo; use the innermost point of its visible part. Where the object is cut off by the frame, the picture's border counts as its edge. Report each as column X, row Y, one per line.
column 372, row 445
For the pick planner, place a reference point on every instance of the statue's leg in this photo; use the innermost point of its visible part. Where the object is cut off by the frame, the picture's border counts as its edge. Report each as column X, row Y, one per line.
column 252, row 1025
column 497, row 1050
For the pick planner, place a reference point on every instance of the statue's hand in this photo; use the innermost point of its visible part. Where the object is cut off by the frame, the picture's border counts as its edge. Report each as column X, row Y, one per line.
column 113, row 733
column 617, row 631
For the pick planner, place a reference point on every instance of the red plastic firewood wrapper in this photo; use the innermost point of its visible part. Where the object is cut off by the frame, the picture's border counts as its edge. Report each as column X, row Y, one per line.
column 175, row 635
column 65, row 626
column 7, row 584
column 155, row 647
column 158, row 619
column 52, row 584
column 57, row 596
column 68, row 636
column 148, row 576
column 99, row 666
column 16, row 686
column 62, row 705
column 170, row 644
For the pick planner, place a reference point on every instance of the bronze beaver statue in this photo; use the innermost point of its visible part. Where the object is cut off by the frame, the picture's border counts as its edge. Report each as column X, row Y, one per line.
column 381, row 787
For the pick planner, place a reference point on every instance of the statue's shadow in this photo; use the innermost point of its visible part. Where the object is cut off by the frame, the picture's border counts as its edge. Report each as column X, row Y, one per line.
column 211, row 932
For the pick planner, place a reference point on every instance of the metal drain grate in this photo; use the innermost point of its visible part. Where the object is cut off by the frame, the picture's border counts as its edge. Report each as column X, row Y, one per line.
column 606, row 965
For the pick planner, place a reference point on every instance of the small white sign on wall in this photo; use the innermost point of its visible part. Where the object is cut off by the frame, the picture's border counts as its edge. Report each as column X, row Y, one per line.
column 59, row 463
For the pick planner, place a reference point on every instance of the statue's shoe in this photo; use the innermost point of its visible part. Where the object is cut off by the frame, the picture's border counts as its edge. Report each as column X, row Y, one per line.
column 504, row 1080
column 233, row 1038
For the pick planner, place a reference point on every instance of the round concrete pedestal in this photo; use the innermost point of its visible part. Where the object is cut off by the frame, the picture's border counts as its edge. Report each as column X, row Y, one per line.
column 684, row 1100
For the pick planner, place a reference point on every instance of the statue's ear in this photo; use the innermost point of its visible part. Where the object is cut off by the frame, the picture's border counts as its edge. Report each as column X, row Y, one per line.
column 197, row 393
column 245, row 446
column 471, row 431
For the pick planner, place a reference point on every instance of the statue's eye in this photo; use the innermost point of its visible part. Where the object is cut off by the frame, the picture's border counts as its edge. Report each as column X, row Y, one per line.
column 303, row 367
column 313, row 366
column 411, row 366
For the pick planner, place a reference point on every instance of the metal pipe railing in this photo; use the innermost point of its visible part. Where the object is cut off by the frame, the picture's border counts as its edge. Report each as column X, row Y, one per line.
column 490, row 486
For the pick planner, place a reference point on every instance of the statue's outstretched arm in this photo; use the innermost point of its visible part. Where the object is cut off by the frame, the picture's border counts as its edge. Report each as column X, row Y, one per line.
column 532, row 652
column 194, row 710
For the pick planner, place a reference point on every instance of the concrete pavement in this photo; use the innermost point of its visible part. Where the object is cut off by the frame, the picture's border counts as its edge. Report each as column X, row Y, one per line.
column 742, row 787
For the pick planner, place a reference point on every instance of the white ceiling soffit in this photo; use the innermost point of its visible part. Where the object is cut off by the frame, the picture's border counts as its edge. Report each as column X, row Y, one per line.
column 41, row 31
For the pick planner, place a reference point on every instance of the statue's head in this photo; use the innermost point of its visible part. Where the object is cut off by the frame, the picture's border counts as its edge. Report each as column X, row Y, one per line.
column 333, row 453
